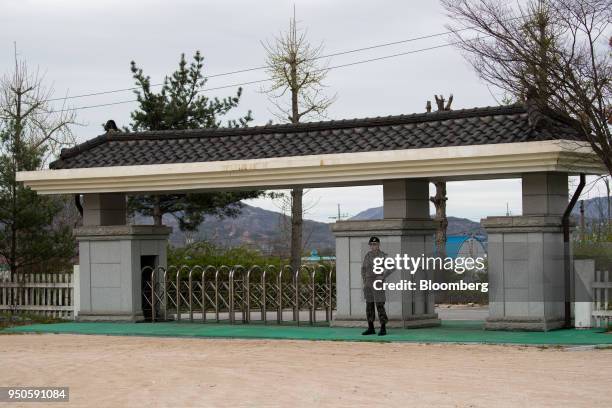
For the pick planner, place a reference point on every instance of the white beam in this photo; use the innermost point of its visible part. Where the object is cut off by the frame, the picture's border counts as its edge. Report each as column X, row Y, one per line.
column 454, row 162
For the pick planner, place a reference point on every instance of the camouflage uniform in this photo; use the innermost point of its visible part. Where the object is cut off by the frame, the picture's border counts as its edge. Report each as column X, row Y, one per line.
column 372, row 296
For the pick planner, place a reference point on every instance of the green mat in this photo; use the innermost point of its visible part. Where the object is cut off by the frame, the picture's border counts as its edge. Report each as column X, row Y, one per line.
column 448, row 332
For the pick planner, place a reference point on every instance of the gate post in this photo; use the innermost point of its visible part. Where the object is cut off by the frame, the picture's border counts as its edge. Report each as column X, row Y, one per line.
column 525, row 258
column 76, row 289
column 110, row 256
column 407, row 228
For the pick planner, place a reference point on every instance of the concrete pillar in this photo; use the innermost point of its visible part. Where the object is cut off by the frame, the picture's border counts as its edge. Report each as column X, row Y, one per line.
column 544, row 193
column 104, row 209
column 408, row 199
column 406, row 229
column 526, row 258
column 110, row 258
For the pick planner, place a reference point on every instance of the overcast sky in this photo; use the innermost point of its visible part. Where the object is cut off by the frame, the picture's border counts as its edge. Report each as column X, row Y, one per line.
column 87, row 46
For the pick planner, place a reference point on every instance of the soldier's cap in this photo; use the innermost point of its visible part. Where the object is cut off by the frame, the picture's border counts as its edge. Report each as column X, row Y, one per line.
column 374, row 240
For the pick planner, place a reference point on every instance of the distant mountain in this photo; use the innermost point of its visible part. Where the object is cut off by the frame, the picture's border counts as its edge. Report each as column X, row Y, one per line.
column 456, row 226
column 268, row 231
column 375, row 213
column 594, row 208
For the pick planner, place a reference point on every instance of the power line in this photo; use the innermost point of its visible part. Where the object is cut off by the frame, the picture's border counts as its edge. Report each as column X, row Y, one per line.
column 267, row 80
column 152, row 85
column 393, row 55
column 240, row 71
column 136, row 100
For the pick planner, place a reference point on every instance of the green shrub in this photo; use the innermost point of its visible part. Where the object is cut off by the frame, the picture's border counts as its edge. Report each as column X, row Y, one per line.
column 205, row 253
column 600, row 251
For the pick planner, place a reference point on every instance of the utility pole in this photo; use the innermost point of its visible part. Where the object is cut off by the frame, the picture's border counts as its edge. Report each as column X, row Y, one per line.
column 340, row 216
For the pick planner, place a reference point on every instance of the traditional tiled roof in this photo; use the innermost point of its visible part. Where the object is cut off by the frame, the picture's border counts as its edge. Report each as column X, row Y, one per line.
column 477, row 126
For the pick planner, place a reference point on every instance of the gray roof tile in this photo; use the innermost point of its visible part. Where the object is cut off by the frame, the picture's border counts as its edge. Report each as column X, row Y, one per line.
column 490, row 125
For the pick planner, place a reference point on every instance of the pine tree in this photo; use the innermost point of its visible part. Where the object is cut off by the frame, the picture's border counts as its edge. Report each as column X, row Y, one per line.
column 181, row 104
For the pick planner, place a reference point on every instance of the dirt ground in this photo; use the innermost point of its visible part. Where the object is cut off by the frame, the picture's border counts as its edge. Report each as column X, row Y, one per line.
column 106, row 371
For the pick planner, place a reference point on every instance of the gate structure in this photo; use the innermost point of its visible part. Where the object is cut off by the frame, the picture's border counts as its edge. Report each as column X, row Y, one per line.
column 527, row 256
column 235, row 294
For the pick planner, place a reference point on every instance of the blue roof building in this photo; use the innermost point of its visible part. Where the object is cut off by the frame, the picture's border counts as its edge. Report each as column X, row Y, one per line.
column 466, row 246
column 315, row 257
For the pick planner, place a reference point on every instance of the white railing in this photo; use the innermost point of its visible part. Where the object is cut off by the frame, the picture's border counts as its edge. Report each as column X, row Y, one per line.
column 48, row 294
column 602, row 307
column 593, row 292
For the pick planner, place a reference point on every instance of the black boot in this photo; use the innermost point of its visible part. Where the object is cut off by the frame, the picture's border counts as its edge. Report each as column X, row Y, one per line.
column 370, row 329
column 383, row 330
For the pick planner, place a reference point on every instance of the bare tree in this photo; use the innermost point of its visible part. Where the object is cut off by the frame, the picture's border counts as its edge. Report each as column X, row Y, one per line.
column 609, row 207
column 26, row 114
column 582, row 225
column 439, row 200
column 31, row 131
column 284, row 204
column 553, row 52
column 297, row 72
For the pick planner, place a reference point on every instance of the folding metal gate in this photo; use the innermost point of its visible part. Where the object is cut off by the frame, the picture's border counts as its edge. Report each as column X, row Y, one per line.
column 237, row 294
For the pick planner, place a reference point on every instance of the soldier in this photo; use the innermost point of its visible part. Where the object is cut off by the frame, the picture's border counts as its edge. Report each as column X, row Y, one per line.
column 373, row 297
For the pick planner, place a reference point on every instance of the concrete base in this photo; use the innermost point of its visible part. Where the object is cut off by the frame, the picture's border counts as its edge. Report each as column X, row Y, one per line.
column 398, row 236
column 523, row 324
column 430, row 320
column 110, row 317
column 526, row 273
column 110, row 263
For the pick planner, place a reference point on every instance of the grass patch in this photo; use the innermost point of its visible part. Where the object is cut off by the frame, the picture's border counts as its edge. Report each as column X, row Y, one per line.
column 8, row 319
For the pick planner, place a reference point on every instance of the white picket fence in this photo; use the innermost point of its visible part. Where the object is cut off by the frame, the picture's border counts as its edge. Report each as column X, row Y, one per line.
column 48, row 294
column 57, row 294
column 602, row 305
